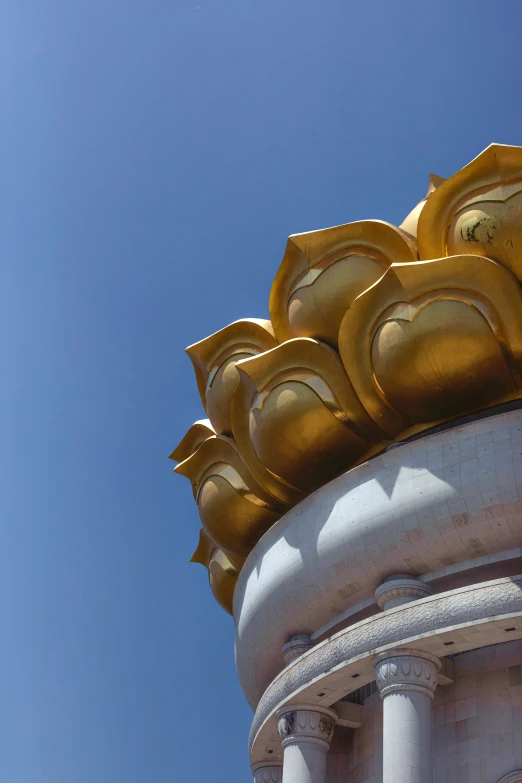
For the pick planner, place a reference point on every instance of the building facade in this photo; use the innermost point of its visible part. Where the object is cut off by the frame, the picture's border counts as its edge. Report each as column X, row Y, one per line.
column 359, row 484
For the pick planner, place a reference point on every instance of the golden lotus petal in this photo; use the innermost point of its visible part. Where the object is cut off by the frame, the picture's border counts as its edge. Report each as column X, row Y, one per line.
column 223, row 570
column 322, row 272
column 433, row 340
column 234, row 509
column 214, row 360
column 478, row 211
column 199, row 432
column 297, row 420
column 204, row 550
column 411, row 221
column 222, row 577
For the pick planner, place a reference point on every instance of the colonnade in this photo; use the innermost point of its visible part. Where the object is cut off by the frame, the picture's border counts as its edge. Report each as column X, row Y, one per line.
column 406, row 679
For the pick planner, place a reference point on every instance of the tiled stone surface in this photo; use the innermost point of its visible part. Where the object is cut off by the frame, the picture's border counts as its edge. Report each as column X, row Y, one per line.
column 478, row 720
column 339, row 756
column 420, row 508
column 365, row 748
column 477, row 562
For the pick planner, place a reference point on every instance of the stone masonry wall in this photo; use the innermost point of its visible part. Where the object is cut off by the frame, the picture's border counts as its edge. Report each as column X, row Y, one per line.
column 478, row 719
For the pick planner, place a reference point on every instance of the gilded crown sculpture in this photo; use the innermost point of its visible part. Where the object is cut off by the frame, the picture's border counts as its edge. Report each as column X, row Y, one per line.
column 376, row 333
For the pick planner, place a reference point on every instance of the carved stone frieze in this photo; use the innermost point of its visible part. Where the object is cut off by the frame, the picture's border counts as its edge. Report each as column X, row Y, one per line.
column 406, row 670
column 303, row 724
column 268, row 772
column 400, row 590
column 295, row 647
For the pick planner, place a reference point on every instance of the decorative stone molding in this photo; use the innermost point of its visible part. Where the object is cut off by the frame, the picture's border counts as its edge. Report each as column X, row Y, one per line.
column 301, row 723
column 400, row 589
column 295, row 647
column 481, row 604
column 512, row 777
column 268, row 772
column 406, row 670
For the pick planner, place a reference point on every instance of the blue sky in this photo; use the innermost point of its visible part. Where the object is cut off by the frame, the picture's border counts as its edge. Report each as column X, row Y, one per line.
column 155, row 157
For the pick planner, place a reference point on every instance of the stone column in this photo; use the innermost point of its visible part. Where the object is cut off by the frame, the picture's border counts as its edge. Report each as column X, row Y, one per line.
column 296, row 646
column 406, row 680
column 400, row 589
column 268, row 772
column 306, row 732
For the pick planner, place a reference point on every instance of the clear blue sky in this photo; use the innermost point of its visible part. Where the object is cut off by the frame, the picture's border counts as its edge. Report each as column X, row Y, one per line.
column 155, row 156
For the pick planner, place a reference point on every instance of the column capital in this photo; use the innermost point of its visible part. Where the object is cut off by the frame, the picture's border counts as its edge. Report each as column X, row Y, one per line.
column 306, row 723
column 400, row 589
column 295, row 647
column 406, row 670
column 268, row 772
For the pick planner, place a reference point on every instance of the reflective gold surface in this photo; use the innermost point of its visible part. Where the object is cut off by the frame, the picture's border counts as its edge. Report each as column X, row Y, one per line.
column 324, row 271
column 200, row 431
column 435, row 339
column 296, row 418
column 234, row 509
column 366, row 345
column 214, row 361
column 478, row 210
column 222, row 570
column 411, row 221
